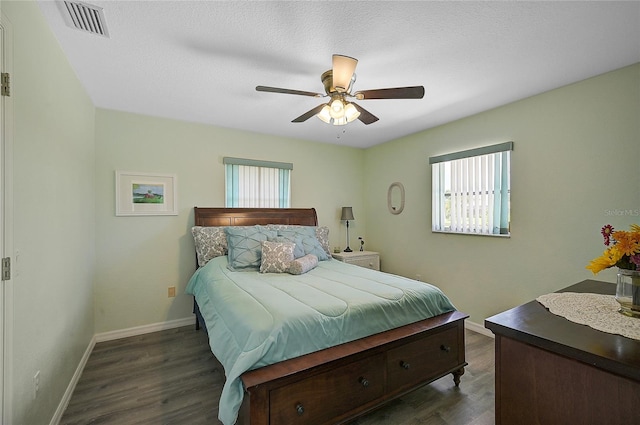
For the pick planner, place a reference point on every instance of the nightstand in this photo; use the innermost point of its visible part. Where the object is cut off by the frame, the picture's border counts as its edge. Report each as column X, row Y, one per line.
column 368, row 259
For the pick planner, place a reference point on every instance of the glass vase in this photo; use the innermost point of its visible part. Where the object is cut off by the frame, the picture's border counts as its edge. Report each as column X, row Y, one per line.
column 628, row 292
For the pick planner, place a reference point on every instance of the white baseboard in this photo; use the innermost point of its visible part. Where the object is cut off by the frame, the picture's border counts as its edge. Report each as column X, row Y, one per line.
column 472, row 326
column 145, row 329
column 57, row 416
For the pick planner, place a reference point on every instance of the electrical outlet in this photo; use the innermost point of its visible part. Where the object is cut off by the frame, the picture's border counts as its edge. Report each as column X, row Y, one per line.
column 36, row 384
column 172, row 291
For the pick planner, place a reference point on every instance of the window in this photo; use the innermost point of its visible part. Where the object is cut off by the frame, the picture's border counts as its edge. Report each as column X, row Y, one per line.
column 257, row 184
column 471, row 191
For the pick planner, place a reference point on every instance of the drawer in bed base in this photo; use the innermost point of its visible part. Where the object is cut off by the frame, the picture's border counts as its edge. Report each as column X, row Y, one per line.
column 330, row 394
column 327, row 387
column 422, row 360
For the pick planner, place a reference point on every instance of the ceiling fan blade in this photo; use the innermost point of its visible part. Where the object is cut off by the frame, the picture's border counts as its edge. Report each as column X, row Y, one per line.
column 415, row 92
column 287, row 91
column 343, row 69
column 309, row 114
column 365, row 116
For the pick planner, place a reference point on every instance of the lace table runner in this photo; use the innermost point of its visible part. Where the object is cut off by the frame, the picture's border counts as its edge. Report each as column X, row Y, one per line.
column 597, row 311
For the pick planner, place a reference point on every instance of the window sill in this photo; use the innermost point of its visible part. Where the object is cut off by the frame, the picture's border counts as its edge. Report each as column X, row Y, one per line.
column 472, row 234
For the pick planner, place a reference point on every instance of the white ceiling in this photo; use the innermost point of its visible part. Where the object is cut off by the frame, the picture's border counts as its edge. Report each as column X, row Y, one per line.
column 201, row 60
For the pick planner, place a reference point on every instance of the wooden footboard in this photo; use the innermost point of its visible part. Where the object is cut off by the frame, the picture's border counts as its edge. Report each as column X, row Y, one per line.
column 336, row 385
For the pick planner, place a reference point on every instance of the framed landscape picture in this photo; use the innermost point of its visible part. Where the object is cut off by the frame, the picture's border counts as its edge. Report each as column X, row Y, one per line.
column 145, row 194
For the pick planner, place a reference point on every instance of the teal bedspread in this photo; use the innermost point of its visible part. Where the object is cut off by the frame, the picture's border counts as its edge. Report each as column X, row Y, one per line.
column 257, row 319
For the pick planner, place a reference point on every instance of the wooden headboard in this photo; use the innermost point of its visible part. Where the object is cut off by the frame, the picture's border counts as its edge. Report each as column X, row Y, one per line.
column 217, row 217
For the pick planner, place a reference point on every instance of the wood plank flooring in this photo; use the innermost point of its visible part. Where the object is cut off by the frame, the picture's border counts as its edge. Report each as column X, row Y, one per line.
column 171, row 377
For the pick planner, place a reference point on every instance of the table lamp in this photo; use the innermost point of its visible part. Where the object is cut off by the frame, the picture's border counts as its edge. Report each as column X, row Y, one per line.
column 347, row 214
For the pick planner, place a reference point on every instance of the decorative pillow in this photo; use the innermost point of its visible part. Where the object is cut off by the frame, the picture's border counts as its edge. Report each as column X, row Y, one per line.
column 298, row 249
column 322, row 234
column 310, row 243
column 283, row 226
column 244, row 245
column 292, row 227
column 303, row 264
column 211, row 242
column 276, row 256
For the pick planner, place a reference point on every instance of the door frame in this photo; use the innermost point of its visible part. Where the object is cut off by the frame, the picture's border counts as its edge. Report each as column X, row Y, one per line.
column 6, row 223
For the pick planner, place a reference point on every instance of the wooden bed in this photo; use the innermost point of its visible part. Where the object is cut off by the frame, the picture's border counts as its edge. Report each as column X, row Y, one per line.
column 337, row 384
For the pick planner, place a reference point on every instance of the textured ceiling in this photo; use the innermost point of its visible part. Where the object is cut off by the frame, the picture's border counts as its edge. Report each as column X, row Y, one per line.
column 201, row 60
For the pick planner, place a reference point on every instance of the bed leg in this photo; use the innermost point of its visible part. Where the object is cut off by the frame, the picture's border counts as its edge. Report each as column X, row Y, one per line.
column 196, row 311
column 456, row 376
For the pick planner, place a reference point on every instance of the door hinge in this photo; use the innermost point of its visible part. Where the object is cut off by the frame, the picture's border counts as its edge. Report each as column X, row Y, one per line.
column 6, row 268
column 5, row 84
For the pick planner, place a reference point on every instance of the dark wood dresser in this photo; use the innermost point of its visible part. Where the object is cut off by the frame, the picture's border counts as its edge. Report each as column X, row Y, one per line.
column 550, row 371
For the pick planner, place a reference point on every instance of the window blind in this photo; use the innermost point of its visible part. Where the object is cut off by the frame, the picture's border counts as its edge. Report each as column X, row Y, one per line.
column 257, row 184
column 471, row 191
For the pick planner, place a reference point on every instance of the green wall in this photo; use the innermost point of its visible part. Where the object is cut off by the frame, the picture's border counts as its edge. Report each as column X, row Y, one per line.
column 574, row 169
column 140, row 257
column 54, row 218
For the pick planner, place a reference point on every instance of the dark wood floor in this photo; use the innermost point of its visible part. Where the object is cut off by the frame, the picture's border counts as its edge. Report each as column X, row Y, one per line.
column 171, row 377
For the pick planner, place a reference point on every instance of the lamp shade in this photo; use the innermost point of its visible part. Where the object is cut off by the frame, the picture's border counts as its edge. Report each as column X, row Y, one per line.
column 350, row 112
column 324, row 114
column 347, row 213
column 343, row 69
column 336, row 109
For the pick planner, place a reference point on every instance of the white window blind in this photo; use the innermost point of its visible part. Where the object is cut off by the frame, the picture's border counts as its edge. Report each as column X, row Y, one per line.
column 257, row 184
column 471, row 191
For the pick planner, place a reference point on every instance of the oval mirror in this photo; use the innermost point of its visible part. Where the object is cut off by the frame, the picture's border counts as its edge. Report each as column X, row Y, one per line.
column 395, row 198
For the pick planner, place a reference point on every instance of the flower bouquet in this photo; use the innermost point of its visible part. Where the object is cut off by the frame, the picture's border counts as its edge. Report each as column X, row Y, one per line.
column 623, row 251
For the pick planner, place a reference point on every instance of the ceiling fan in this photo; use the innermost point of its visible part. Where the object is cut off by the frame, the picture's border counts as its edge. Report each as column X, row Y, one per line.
column 338, row 83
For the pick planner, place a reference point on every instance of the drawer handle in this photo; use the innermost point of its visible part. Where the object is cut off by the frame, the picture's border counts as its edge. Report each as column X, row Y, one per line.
column 299, row 409
column 405, row 365
column 364, row 381
column 445, row 348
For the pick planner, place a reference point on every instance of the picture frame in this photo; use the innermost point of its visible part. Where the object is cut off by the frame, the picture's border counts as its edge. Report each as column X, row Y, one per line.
column 146, row 194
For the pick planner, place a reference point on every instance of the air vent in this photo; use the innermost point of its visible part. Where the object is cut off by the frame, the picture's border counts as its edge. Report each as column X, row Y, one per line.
column 85, row 17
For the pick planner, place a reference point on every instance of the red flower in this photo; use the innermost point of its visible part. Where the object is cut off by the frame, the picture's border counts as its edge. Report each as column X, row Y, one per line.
column 606, row 231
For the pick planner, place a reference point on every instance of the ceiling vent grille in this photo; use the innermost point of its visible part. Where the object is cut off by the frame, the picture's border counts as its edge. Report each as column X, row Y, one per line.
column 85, row 17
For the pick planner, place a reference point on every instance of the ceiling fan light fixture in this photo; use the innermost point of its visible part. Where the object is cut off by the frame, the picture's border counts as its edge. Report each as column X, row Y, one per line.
column 324, row 114
column 341, row 121
column 327, row 115
column 336, row 109
column 338, row 112
column 350, row 112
